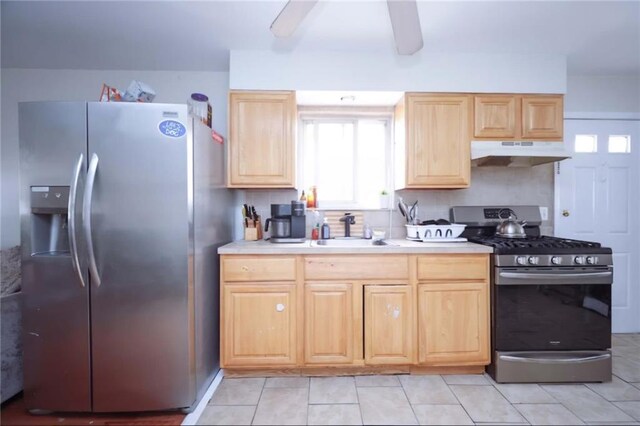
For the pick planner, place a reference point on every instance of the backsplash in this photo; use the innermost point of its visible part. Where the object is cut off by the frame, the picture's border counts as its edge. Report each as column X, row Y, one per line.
column 489, row 185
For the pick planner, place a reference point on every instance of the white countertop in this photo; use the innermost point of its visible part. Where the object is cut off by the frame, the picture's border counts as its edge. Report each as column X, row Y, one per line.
column 311, row 247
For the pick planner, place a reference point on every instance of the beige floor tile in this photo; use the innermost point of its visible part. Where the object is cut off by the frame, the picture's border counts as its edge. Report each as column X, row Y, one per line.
column 636, row 385
column 586, row 404
column 282, row 406
column 525, row 394
column 616, row 390
column 625, row 339
column 238, row 392
column 632, row 408
column 465, row 379
column 227, row 415
column 378, row 380
column 429, row 414
column 333, row 390
column 385, row 406
column 548, row 414
column 614, row 423
column 627, row 369
column 427, row 390
column 486, row 404
column 287, row 382
column 334, row 414
column 629, row 352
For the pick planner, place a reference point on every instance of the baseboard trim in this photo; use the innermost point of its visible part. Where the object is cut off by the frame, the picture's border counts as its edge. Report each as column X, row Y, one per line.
column 193, row 417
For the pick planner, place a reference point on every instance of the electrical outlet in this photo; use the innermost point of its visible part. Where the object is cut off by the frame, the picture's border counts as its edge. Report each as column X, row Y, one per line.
column 544, row 213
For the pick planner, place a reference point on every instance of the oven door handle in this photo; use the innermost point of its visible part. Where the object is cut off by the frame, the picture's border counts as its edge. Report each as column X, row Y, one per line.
column 527, row 276
column 555, row 360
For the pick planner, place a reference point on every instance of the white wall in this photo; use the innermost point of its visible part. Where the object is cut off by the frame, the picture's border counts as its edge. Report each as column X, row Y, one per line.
column 79, row 85
column 604, row 95
column 426, row 72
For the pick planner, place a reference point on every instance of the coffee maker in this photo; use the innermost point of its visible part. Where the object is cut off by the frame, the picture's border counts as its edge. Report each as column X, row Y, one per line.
column 287, row 222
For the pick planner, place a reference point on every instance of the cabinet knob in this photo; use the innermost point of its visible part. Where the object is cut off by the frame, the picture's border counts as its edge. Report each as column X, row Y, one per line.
column 279, row 307
column 245, row 268
column 565, row 213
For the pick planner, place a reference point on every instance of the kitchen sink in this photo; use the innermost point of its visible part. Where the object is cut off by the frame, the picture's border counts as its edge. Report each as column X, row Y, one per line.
column 348, row 243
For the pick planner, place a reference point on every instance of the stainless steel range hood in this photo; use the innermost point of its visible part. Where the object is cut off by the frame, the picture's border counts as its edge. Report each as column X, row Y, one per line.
column 516, row 154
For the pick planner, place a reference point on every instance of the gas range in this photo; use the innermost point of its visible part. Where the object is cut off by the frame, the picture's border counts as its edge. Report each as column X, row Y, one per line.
column 537, row 283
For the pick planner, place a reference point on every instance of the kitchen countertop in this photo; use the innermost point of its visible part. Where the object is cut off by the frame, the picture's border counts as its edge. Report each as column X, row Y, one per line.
column 310, row 247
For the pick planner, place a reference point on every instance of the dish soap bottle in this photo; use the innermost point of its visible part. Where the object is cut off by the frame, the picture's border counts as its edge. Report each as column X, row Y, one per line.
column 325, row 232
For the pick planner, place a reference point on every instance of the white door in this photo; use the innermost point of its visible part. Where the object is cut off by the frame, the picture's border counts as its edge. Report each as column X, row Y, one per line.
column 596, row 199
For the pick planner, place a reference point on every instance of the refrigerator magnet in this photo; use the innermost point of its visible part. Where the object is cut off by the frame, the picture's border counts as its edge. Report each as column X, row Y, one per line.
column 172, row 128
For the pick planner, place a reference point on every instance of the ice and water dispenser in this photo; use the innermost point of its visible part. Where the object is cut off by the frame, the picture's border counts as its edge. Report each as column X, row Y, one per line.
column 49, row 227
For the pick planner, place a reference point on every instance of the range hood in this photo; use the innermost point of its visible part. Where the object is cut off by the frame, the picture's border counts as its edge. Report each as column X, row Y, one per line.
column 516, row 154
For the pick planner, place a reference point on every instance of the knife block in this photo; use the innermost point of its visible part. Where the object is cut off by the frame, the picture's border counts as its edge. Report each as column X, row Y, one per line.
column 253, row 233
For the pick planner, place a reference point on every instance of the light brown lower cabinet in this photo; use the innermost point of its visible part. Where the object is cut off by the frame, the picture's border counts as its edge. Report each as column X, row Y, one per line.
column 329, row 323
column 388, row 319
column 372, row 312
column 453, row 323
column 259, row 324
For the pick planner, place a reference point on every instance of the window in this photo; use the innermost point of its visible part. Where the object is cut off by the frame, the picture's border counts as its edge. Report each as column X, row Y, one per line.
column 586, row 143
column 619, row 144
column 348, row 159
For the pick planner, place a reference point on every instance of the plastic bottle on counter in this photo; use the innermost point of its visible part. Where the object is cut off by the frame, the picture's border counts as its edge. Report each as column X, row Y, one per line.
column 303, row 197
column 366, row 232
column 325, row 232
column 315, row 232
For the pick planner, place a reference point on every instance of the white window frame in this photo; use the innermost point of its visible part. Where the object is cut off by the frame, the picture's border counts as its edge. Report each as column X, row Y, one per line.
column 346, row 115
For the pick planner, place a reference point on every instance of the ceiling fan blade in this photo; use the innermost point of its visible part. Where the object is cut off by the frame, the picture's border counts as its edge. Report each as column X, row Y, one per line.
column 290, row 17
column 406, row 26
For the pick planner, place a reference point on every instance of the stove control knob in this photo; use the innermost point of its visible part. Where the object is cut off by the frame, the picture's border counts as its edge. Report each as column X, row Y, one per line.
column 579, row 260
column 556, row 260
column 521, row 260
column 592, row 260
column 533, row 260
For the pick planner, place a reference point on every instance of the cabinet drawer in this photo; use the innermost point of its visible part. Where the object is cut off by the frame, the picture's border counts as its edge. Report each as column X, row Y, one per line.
column 356, row 267
column 262, row 268
column 453, row 267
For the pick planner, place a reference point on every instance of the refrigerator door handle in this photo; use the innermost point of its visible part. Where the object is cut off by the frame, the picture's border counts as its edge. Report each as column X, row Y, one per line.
column 86, row 216
column 71, row 219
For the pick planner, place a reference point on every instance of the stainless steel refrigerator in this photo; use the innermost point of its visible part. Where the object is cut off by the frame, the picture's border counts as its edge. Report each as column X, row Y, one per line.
column 123, row 207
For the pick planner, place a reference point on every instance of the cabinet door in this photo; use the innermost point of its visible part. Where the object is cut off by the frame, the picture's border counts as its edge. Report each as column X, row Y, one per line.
column 329, row 323
column 438, row 146
column 542, row 117
column 258, row 325
column 261, row 139
column 453, row 323
column 388, row 331
column 495, row 116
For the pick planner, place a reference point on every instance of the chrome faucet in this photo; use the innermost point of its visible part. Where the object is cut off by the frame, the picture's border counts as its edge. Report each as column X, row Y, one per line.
column 348, row 220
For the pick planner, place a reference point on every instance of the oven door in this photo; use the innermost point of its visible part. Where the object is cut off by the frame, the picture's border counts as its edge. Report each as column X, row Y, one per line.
column 537, row 309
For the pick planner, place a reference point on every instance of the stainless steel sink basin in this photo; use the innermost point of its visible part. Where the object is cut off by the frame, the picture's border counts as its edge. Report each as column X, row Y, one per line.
column 348, row 243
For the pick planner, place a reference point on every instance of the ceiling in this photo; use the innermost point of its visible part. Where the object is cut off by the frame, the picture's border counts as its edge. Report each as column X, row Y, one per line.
column 598, row 37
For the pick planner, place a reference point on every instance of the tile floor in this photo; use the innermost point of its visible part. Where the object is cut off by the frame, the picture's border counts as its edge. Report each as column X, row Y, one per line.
column 430, row 400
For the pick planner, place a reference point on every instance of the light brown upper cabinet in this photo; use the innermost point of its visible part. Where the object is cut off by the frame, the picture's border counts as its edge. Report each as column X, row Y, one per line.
column 542, row 117
column 261, row 139
column 518, row 117
column 495, row 116
column 433, row 134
